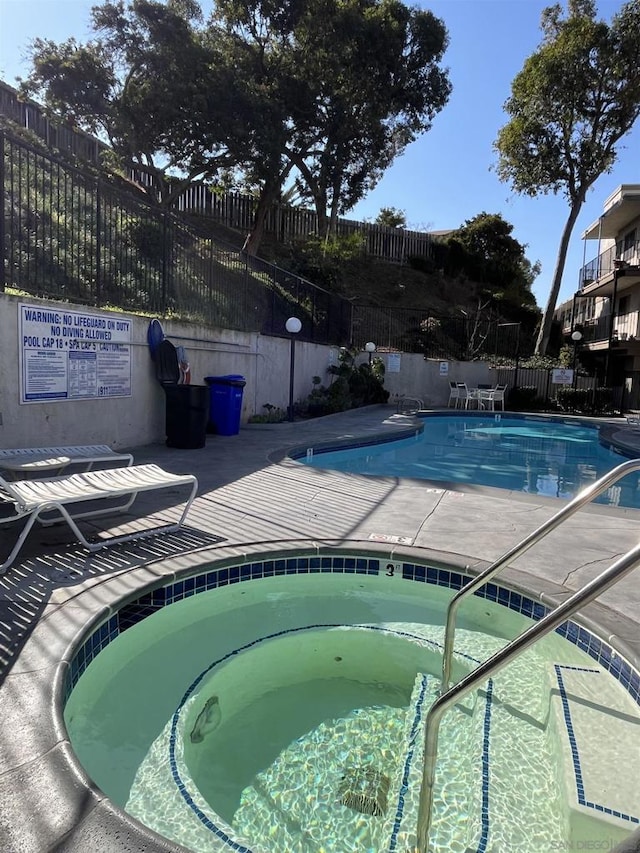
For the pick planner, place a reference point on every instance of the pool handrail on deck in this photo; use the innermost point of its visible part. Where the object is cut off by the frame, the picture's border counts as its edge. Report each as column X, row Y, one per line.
column 580, row 500
column 448, row 697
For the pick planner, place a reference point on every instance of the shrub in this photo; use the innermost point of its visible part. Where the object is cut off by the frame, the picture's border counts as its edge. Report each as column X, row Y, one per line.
column 353, row 386
column 588, row 401
column 525, row 398
column 273, row 415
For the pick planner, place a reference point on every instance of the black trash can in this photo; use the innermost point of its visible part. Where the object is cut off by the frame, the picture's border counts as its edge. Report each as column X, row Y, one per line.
column 187, row 409
column 187, row 415
column 225, row 405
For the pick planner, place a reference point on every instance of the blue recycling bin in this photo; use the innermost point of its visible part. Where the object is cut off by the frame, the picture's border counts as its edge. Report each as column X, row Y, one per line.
column 225, row 403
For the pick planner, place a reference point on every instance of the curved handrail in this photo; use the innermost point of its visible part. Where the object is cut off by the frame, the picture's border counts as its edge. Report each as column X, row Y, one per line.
column 584, row 497
column 501, row 658
column 496, row 662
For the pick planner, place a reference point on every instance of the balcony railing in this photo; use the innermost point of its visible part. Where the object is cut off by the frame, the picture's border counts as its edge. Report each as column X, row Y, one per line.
column 604, row 263
column 625, row 328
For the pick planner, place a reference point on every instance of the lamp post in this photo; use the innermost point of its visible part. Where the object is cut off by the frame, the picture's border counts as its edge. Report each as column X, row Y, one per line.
column 370, row 348
column 576, row 337
column 293, row 326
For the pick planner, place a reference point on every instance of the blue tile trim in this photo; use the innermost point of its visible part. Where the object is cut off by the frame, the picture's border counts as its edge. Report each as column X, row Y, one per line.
column 365, row 442
column 484, row 834
column 408, row 761
column 575, row 754
column 417, row 720
column 149, row 603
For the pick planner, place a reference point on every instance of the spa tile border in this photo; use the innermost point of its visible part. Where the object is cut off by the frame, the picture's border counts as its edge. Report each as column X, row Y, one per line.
column 150, row 602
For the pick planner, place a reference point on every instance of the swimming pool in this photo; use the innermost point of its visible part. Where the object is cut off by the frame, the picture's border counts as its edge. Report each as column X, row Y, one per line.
column 235, row 715
column 533, row 455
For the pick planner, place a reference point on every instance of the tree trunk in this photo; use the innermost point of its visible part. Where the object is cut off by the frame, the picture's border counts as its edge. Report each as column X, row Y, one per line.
column 320, row 201
column 333, row 217
column 547, row 318
column 268, row 195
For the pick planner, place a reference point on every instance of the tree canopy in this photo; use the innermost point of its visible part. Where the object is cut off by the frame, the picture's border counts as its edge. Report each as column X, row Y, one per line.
column 571, row 103
column 391, row 217
column 484, row 249
column 320, row 93
column 146, row 84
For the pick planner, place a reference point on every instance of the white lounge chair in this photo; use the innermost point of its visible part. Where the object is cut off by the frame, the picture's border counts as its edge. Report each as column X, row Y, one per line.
column 24, row 461
column 31, row 499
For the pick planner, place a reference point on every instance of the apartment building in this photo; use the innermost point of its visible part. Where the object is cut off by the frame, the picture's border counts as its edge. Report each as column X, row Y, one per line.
column 606, row 306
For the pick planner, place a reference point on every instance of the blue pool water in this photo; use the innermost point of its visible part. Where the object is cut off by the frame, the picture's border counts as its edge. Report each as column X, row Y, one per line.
column 532, row 455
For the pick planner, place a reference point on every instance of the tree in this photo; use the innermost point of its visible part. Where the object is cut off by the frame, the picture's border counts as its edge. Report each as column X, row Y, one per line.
column 573, row 101
column 148, row 84
column 322, row 92
column 390, row 217
column 496, row 260
column 372, row 70
column 349, row 82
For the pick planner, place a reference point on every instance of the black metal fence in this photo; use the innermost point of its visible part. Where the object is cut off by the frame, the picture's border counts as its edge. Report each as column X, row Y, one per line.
column 535, row 389
column 412, row 330
column 235, row 210
column 67, row 234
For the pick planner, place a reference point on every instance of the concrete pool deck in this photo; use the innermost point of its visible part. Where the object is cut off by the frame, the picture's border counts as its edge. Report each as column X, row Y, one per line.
column 253, row 499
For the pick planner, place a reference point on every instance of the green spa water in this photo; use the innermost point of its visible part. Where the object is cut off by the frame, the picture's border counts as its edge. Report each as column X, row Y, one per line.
column 312, row 677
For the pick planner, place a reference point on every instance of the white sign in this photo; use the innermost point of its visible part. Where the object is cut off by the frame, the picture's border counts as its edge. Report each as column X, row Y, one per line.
column 444, row 368
column 562, row 376
column 68, row 355
column 393, row 362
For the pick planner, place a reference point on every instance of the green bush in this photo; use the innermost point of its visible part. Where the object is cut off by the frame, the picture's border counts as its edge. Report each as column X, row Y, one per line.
column 587, row 401
column 353, row 386
column 323, row 261
column 525, row 398
column 273, row 415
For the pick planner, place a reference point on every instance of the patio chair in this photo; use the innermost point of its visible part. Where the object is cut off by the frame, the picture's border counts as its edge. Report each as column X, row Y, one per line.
column 464, row 396
column 35, row 499
column 499, row 395
column 453, row 395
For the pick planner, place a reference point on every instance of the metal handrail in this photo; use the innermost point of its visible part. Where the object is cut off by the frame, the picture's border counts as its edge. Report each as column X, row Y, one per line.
column 504, row 656
column 610, row 576
column 584, row 497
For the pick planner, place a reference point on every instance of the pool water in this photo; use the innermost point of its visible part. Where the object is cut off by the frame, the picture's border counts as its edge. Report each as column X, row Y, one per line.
column 532, row 455
column 239, row 752
column 318, row 679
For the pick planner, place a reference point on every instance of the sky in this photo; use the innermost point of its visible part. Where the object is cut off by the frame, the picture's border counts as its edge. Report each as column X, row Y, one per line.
column 445, row 177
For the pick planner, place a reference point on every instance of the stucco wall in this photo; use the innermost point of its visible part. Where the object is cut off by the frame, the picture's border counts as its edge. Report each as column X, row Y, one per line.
column 139, row 419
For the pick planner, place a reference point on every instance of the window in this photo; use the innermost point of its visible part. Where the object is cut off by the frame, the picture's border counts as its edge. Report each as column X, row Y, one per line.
column 623, row 304
column 629, row 241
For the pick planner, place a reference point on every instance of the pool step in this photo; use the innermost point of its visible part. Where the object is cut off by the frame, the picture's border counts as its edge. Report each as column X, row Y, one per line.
column 505, row 770
column 484, row 744
column 598, row 726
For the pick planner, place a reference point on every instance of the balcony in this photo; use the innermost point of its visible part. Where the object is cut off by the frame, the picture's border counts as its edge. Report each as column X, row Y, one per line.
column 597, row 276
column 626, row 331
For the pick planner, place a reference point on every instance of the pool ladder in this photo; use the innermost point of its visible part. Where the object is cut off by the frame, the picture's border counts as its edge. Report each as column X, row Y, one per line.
column 449, row 696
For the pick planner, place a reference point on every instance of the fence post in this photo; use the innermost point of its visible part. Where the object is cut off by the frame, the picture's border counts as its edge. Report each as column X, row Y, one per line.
column 165, row 261
column 3, row 248
column 98, row 245
column 248, row 311
column 546, row 390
